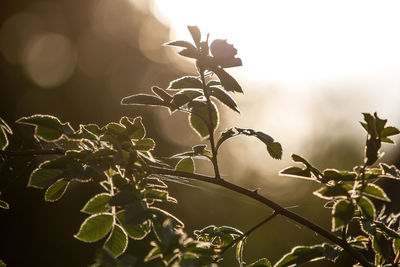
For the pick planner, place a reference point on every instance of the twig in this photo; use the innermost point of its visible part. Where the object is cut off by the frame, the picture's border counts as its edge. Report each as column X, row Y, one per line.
column 273, row 205
column 249, row 232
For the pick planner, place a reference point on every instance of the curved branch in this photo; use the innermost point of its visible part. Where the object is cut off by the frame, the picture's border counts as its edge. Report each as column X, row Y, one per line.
column 273, row 205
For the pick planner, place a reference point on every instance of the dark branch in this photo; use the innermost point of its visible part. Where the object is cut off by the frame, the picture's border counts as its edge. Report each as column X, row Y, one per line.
column 273, row 205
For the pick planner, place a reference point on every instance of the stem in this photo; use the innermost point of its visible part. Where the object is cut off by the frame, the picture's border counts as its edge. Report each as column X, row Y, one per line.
column 239, row 238
column 233, row 187
column 210, row 125
column 273, row 205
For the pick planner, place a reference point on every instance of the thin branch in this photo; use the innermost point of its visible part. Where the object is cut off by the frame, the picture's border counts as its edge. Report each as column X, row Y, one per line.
column 273, row 205
column 239, row 238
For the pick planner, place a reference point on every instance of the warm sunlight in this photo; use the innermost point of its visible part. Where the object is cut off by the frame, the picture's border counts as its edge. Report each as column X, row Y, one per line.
column 297, row 41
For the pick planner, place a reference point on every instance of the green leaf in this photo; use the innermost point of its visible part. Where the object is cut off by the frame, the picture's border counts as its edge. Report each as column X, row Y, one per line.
column 196, row 35
column 381, row 245
column 56, row 190
column 389, row 131
column 185, row 165
column 162, row 94
column 300, row 255
column 367, row 208
column 95, row 227
column 143, row 99
column 390, row 171
column 275, row 150
column 117, row 242
column 135, row 231
column 185, row 82
column 199, row 118
column 43, row 178
column 338, row 176
column 342, row 213
column 180, row 43
column 224, row 97
column 189, row 52
column 97, row 204
column 296, row 172
column 333, row 191
column 47, row 128
column 145, row 144
column 227, row 81
column 372, row 190
column 2, row 264
column 4, row 205
column 184, row 96
column 315, row 172
column 260, row 263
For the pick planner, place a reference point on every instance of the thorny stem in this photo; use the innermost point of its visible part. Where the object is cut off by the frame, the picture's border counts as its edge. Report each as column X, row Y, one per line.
column 238, row 189
column 210, row 125
column 241, row 237
column 273, row 205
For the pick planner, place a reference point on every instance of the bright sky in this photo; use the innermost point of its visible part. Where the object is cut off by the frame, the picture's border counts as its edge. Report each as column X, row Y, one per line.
column 297, row 40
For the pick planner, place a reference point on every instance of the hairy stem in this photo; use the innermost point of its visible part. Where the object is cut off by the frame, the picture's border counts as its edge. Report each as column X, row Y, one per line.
column 239, row 238
column 273, row 205
column 210, row 125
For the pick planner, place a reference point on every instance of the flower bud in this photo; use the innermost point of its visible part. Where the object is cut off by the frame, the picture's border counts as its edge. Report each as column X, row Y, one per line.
column 221, row 49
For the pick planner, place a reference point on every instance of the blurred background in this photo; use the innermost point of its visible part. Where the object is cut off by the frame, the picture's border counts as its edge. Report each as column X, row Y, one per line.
column 309, row 69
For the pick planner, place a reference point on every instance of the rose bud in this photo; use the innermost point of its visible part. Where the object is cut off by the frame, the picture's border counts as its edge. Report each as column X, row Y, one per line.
column 224, row 54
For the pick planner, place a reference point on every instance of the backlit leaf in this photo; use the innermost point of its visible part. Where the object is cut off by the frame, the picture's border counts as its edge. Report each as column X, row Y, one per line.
column 224, row 97
column 296, row 172
column 180, row 43
column 56, row 190
column 381, row 245
column 342, row 213
column 117, row 242
column 227, row 81
column 97, row 204
column 43, row 178
column 185, row 82
column 300, row 255
column 95, row 227
column 185, row 165
column 47, row 128
column 275, row 150
column 143, row 99
column 367, row 208
column 198, row 119
column 196, row 34
column 162, row 94
column 135, row 231
column 145, row 144
column 372, row 190
column 389, row 131
column 333, row 191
